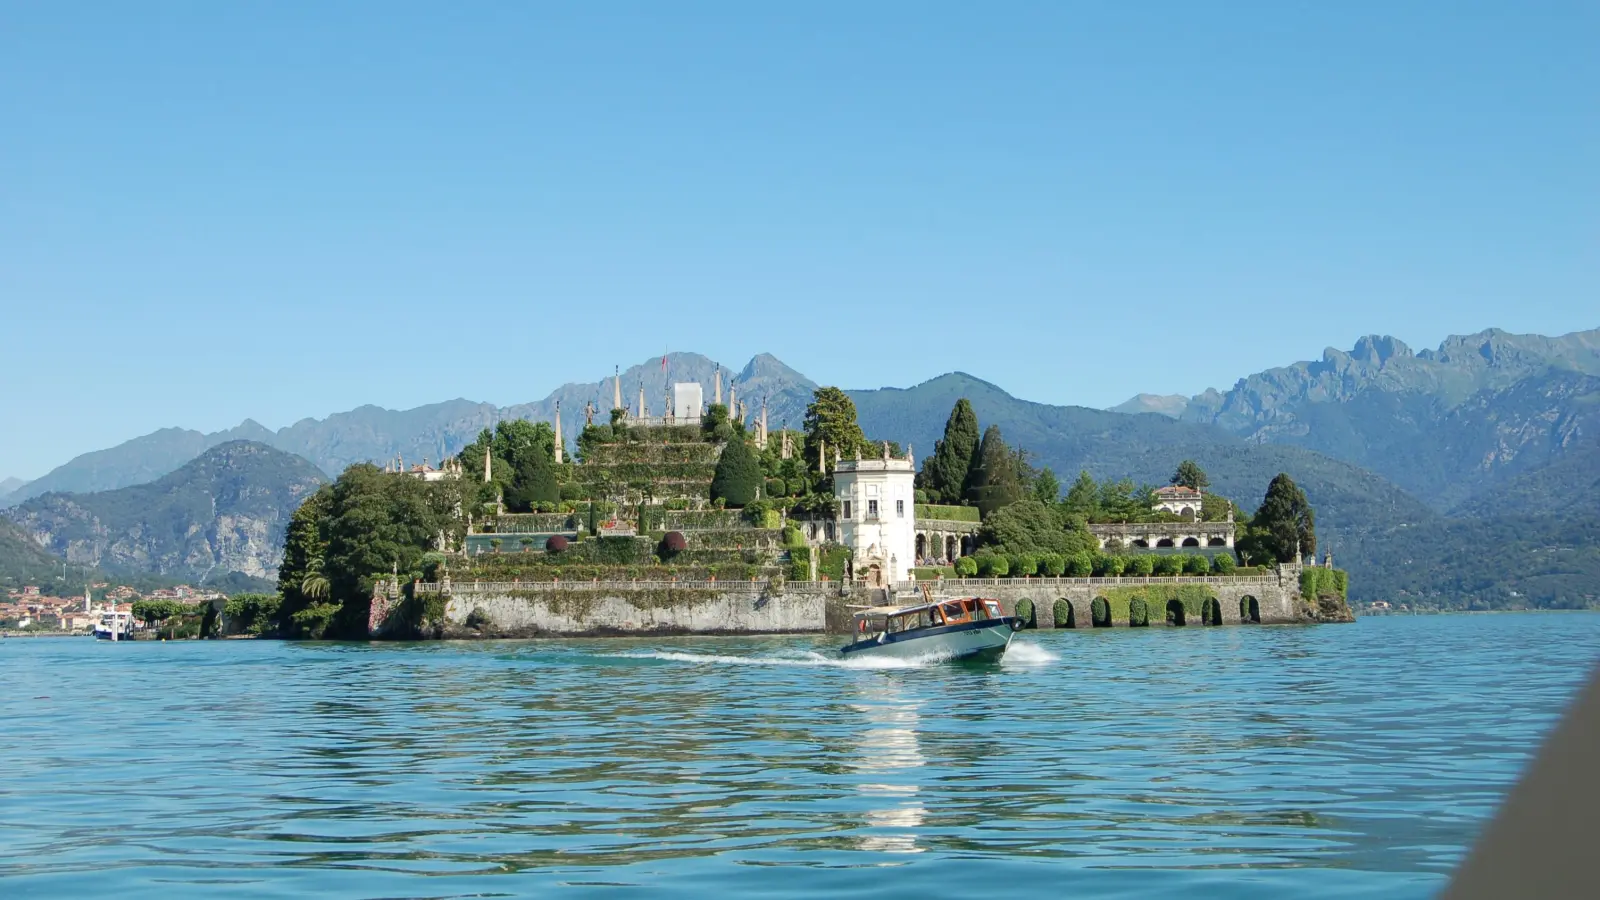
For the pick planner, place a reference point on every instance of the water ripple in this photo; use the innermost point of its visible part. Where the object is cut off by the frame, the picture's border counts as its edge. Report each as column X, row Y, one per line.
column 1238, row 761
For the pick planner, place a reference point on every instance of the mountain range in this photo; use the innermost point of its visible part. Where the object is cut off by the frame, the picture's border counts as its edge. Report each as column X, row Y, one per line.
column 1423, row 467
column 223, row 511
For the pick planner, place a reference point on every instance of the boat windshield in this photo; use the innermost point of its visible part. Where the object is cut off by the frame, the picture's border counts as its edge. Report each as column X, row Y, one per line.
column 929, row 615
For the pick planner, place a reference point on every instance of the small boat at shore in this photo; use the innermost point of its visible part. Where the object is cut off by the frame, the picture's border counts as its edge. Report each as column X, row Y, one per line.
column 935, row 629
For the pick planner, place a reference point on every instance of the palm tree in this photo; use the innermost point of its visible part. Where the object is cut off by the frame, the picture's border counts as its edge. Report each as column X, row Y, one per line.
column 315, row 585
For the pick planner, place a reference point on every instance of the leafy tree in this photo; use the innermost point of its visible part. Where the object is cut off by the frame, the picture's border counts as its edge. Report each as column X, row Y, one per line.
column 252, row 613
column 966, row 567
column 154, row 612
column 1030, row 526
column 995, row 482
column 1190, row 475
column 738, row 477
column 1046, row 486
column 1142, row 564
column 831, row 417
column 1195, row 564
column 1285, row 520
column 945, row 472
column 716, row 423
column 1083, row 499
column 304, row 549
column 1222, row 564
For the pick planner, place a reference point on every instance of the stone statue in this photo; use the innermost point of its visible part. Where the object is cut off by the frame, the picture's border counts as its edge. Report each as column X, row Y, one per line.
column 885, row 451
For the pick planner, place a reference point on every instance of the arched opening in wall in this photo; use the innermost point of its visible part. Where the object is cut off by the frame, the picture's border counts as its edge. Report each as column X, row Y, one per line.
column 966, row 545
column 951, row 548
column 1191, row 542
column 828, row 529
column 1062, row 611
column 1249, row 610
column 1024, row 611
column 811, row 531
column 922, row 547
column 1164, row 542
column 1141, row 543
column 1187, row 512
column 1217, row 542
column 1211, row 612
column 1100, row 613
column 1138, row 614
column 1175, row 612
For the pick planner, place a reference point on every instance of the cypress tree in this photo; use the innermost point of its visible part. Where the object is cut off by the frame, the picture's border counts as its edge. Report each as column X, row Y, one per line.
column 1285, row 518
column 994, row 482
column 946, row 471
column 738, row 477
column 534, row 481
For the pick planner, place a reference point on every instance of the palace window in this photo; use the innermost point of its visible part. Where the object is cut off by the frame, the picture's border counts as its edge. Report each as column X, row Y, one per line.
column 872, row 509
column 900, row 509
column 847, row 509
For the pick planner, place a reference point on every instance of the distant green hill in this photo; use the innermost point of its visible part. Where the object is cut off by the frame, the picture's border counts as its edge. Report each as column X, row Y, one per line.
column 222, row 512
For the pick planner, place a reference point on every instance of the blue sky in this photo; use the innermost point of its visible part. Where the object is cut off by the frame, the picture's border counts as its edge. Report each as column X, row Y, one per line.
column 213, row 211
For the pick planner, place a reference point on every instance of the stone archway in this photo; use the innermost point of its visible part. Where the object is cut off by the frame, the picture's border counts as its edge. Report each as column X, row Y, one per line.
column 1191, row 542
column 952, row 548
column 922, row 547
column 1175, row 615
column 1211, row 612
column 1100, row 613
column 875, row 575
column 1141, row 543
column 1164, row 542
column 1217, row 542
column 1249, row 610
column 966, row 545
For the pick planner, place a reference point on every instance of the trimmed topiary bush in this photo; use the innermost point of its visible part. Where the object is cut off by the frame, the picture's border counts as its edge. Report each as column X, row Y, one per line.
column 1025, row 611
column 1167, row 565
column 1079, row 565
column 993, row 566
column 1052, row 564
column 556, row 544
column 776, row 487
column 738, row 476
column 673, row 542
column 1143, row 564
column 1062, row 613
column 1196, row 565
column 1223, row 564
column 966, row 567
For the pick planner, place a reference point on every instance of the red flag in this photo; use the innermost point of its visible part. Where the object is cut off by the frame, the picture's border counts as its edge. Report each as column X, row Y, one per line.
column 663, row 362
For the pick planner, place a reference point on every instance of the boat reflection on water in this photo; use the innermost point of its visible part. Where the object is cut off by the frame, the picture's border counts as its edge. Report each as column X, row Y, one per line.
column 890, row 762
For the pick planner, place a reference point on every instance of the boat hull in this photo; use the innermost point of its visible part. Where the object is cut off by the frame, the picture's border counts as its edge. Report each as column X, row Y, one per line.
column 987, row 638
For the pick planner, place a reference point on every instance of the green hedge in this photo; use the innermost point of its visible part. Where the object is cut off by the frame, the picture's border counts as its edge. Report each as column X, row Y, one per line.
column 930, row 573
column 1316, row 581
column 948, row 513
column 830, row 562
column 1155, row 597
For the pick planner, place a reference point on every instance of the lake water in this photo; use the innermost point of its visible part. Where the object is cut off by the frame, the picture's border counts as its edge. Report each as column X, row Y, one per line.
column 1247, row 762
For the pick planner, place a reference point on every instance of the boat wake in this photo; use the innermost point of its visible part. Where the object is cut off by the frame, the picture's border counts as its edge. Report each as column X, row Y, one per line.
column 1022, row 654
column 796, row 658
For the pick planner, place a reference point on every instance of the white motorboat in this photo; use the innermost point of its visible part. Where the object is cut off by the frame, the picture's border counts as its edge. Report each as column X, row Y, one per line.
column 114, row 626
column 933, row 629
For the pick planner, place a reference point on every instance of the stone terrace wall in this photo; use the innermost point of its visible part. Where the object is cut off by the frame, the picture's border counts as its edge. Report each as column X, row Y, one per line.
column 1277, row 595
column 621, row 608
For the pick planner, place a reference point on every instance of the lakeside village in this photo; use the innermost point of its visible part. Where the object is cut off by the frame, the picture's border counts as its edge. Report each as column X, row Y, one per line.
column 165, row 612
column 703, row 520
